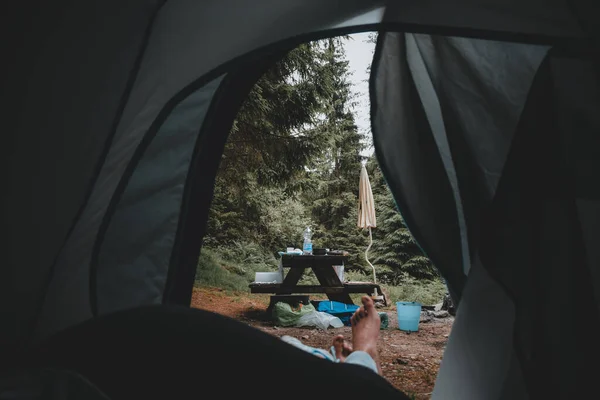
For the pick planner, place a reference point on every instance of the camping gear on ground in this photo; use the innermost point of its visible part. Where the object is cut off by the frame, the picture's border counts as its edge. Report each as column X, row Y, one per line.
column 344, row 311
column 286, row 315
column 307, row 246
column 268, row 277
column 294, row 300
column 409, row 315
column 448, row 305
column 340, row 310
column 366, row 217
column 385, row 321
column 319, row 320
column 484, row 122
column 303, row 315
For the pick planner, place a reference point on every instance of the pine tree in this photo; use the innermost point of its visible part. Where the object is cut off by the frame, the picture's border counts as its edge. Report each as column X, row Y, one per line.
column 333, row 200
column 270, row 137
column 293, row 159
column 269, row 145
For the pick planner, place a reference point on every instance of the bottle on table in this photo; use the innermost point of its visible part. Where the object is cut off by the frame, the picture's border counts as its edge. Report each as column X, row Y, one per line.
column 307, row 247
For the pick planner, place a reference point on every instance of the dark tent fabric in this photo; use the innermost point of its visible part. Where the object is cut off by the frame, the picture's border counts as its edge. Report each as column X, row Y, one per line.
column 67, row 79
column 485, row 121
column 458, row 101
column 481, row 117
column 538, row 250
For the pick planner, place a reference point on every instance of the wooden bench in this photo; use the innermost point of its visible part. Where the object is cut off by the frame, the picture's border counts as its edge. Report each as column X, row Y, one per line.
column 330, row 283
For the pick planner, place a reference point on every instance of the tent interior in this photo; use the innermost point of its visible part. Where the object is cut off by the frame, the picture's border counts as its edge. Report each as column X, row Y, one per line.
column 483, row 117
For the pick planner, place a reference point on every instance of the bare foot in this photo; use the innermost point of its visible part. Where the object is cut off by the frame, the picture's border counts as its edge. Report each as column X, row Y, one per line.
column 365, row 329
column 342, row 348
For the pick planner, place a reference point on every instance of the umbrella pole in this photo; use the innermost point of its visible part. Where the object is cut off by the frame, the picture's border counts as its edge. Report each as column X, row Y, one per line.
column 369, row 262
column 367, row 254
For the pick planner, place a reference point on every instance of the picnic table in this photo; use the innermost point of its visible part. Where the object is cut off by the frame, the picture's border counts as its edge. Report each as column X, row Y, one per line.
column 322, row 266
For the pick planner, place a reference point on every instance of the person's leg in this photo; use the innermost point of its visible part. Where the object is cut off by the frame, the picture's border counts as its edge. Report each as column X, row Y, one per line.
column 324, row 354
column 365, row 333
column 174, row 352
column 341, row 347
column 340, row 351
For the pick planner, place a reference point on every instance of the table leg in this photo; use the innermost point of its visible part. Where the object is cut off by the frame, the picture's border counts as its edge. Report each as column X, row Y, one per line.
column 328, row 278
column 340, row 297
column 291, row 280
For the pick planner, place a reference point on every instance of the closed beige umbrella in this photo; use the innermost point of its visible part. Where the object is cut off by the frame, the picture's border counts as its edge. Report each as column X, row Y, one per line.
column 366, row 211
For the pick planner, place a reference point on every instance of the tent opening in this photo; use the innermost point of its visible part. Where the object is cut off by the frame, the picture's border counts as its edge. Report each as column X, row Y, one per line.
column 293, row 160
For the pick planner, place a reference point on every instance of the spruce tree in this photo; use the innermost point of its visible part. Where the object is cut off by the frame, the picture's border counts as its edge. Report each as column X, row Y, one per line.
column 271, row 141
column 333, row 199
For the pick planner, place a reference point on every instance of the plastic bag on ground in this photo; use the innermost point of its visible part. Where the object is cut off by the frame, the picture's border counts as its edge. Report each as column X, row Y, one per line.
column 320, row 320
column 284, row 315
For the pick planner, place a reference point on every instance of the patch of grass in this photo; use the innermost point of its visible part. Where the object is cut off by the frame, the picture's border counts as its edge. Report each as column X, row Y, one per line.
column 358, row 276
column 308, row 278
column 232, row 268
column 424, row 291
column 427, row 292
column 211, row 272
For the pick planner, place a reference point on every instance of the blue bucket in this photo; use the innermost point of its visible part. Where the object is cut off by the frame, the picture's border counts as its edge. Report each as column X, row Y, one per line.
column 409, row 314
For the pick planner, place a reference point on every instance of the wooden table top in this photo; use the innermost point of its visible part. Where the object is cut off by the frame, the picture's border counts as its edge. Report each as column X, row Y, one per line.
column 310, row 260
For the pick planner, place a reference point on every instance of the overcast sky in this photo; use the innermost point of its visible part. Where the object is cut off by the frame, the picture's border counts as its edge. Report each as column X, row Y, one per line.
column 360, row 55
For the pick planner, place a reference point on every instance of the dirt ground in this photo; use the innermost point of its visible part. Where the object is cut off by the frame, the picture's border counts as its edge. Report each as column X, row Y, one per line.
column 409, row 361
